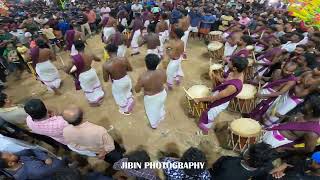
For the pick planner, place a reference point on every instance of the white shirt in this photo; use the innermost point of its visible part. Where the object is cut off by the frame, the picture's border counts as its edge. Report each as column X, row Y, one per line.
column 136, row 8
column 13, row 145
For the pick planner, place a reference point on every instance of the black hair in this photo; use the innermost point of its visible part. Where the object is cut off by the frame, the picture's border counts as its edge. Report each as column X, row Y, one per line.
column 259, row 155
column 77, row 119
column 79, row 45
column 140, row 156
column 121, row 28
column 3, row 98
column 184, row 12
column 194, row 155
column 41, row 43
column 66, row 174
column 179, row 32
column 3, row 163
column 36, row 109
column 152, row 28
column 164, row 15
column 310, row 58
column 314, row 101
column 137, row 15
column 113, row 13
column 111, row 48
column 247, row 39
column 240, row 63
column 152, row 61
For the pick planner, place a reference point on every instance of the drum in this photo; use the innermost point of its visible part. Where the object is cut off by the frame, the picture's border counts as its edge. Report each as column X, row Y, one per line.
column 127, row 33
column 244, row 132
column 215, row 35
column 250, row 48
column 245, row 101
column 215, row 73
column 216, row 50
column 197, row 91
column 249, row 72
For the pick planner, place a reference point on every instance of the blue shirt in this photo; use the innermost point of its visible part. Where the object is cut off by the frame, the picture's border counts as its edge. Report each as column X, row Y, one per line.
column 195, row 18
column 207, row 21
column 175, row 16
column 63, row 27
column 34, row 166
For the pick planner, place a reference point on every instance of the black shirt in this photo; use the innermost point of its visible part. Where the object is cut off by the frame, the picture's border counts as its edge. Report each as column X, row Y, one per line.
column 230, row 168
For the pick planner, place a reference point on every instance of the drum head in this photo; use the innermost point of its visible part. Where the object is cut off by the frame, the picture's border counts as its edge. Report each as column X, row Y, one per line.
column 199, row 91
column 250, row 47
column 215, row 67
column 215, row 45
column 248, row 92
column 216, row 33
column 245, row 127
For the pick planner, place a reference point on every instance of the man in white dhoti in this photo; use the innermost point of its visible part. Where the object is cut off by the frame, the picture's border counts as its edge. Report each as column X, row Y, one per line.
column 175, row 49
column 152, row 82
column 85, row 76
column 162, row 28
column 137, row 28
column 46, row 71
column 109, row 28
column 116, row 69
column 152, row 41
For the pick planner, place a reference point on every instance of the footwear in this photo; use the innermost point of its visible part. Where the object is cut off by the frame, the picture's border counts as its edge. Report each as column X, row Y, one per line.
column 124, row 113
column 133, row 54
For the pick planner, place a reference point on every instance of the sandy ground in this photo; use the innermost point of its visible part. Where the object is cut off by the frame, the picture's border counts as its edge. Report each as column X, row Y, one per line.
column 176, row 133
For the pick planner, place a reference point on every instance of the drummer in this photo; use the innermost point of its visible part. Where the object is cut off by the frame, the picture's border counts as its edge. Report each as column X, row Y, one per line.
column 223, row 93
column 306, row 128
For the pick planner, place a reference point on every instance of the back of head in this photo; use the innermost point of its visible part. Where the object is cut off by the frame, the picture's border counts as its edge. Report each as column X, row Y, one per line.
column 111, row 48
column 3, row 98
column 179, row 32
column 240, row 63
column 41, row 43
column 311, row 60
column 79, row 45
column 247, row 39
column 73, row 115
column 259, row 155
column 194, row 155
column 36, row 109
column 152, row 28
column 314, row 102
column 140, row 156
column 152, row 61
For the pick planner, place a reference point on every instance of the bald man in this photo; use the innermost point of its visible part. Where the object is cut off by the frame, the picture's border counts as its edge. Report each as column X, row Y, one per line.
column 89, row 139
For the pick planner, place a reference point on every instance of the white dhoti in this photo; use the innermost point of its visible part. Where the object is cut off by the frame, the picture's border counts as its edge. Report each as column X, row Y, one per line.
column 107, row 32
column 146, row 24
column 174, row 71
column 122, row 51
column 262, row 69
column 73, row 51
column 258, row 48
column 135, row 41
column 281, row 106
column 275, row 139
column 91, row 86
column 167, row 35
column 124, row 22
column 153, row 51
column 193, row 29
column 215, row 111
column 162, row 38
column 121, row 91
column 155, row 107
column 185, row 38
column 228, row 49
column 48, row 74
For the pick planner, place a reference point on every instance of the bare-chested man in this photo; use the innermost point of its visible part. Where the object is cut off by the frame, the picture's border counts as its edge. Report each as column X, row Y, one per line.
column 175, row 49
column 71, row 36
column 155, row 94
column 46, row 71
column 307, row 83
column 137, row 27
column 162, row 29
column 86, row 77
column 152, row 40
column 119, row 39
column 116, row 69
column 184, row 24
column 109, row 28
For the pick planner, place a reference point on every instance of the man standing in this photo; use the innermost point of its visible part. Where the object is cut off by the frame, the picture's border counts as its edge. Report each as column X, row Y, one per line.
column 136, row 33
column 86, row 77
column 175, row 49
column 84, row 24
column 184, row 24
column 152, row 40
column 162, row 29
column 136, row 7
column 46, row 71
column 155, row 94
column 89, row 139
column 117, row 70
column 119, row 40
column 41, row 121
column 72, row 35
column 91, row 16
column 109, row 28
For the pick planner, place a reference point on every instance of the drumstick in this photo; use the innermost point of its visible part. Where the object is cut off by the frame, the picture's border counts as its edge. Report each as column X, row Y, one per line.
column 61, row 60
column 187, row 93
column 249, row 32
column 262, row 34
